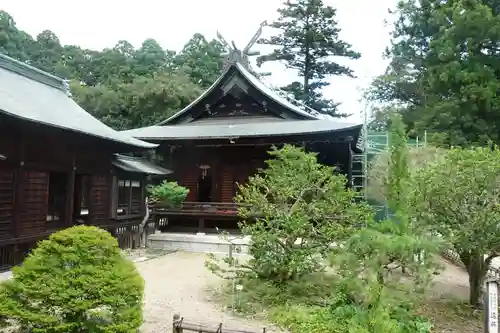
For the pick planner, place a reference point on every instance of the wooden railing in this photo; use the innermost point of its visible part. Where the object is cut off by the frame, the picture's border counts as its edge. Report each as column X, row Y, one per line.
column 180, row 325
column 197, row 208
column 13, row 250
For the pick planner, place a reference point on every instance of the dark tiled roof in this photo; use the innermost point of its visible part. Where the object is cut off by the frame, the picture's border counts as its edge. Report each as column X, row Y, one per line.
column 31, row 94
column 139, row 165
column 227, row 130
column 218, row 128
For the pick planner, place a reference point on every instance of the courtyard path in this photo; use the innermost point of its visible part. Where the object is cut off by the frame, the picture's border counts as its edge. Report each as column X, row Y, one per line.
column 178, row 283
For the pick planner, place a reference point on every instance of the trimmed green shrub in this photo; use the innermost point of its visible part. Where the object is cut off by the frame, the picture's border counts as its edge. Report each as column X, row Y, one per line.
column 76, row 281
column 169, row 194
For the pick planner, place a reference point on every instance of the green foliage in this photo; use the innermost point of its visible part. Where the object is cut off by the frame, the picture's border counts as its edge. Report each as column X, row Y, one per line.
column 346, row 317
column 317, row 303
column 307, row 41
column 120, row 85
column 201, row 60
column 380, row 118
column 372, row 259
column 76, row 281
column 169, row 194
column 142, row 102
column 457, row 197
column 399, row 174
column 293, row 210
column 378, row 169
column 365, row 291
column 442, row 72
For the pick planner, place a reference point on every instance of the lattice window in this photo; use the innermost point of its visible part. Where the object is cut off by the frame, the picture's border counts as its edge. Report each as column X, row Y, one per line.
column 129, row 197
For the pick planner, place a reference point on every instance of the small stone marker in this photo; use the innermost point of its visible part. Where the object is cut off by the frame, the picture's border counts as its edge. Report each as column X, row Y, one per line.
column 491, row 306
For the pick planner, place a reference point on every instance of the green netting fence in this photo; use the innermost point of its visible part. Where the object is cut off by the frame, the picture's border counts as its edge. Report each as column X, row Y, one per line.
column 377, row 143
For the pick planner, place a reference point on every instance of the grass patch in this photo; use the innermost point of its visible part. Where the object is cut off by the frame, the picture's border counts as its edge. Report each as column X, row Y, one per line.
column 452, row 316
column 259, row 296
column 314, row 304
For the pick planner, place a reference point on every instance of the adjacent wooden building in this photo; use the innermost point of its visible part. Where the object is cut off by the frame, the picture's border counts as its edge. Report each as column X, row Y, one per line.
column 222, row 138
column 59, row 165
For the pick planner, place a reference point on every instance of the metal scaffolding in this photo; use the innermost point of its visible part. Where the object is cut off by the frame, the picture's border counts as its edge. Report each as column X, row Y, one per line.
column 373, row 144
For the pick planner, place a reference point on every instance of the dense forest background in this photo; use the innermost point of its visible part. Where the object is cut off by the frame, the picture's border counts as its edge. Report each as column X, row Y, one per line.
column 443, row 75
column 123, row 86
column 127, row 87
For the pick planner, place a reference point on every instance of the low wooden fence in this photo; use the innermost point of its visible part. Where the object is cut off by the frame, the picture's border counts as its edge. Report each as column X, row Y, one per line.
column 127, row 234
column 196, row 208
column 180, row 325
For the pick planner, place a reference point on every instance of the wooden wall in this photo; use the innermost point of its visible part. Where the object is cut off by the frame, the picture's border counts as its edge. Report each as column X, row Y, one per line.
column 25, row 177
column 229, row 165
column 7, row 177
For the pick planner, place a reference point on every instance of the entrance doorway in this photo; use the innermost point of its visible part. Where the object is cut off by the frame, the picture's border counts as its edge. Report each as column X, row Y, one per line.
column 205, row 184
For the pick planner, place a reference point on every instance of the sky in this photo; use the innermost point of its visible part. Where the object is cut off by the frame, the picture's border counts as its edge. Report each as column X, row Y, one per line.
column 97, row 24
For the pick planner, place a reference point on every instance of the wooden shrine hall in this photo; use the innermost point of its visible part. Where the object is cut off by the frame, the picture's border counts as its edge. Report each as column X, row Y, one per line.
column 223, row 137
column 60, row 166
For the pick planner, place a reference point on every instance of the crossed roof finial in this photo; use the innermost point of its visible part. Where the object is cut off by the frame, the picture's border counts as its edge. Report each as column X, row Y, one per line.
column 235, row 55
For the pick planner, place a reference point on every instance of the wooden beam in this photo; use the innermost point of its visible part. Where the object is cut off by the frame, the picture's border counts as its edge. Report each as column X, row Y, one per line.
column 237, row 144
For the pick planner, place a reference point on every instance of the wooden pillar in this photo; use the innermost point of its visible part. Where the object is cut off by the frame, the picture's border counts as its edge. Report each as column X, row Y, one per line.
column 349, row 165
column 70, row 194
column 201, row 225
column 144, row 194
column 18, row 191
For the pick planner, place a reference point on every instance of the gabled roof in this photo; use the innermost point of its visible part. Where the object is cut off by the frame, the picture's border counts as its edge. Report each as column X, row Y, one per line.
column 139, row 165
column 31, row 94
column 235, row 69
column 182, row 126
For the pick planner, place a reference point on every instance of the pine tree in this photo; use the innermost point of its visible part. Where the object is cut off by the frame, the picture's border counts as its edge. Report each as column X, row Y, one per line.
column 308, row 38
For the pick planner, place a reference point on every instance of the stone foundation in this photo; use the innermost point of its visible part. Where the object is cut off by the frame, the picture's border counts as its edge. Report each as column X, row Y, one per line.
column 200, row 242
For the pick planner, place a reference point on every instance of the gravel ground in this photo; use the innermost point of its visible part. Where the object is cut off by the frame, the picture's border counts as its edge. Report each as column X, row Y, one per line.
column 179, row 283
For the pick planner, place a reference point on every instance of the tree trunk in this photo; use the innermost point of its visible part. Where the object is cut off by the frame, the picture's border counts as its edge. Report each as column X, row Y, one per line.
column 477, row 270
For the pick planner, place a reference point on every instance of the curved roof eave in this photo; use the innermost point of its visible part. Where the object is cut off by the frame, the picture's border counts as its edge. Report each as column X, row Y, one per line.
column 127, row 140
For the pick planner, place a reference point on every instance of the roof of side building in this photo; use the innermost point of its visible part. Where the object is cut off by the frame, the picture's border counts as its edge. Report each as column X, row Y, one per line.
column 34, row 95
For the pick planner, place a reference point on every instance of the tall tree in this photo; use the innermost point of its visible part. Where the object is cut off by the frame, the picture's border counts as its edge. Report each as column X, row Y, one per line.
column 444, row 69
column 201, row 60
column 14, row 42
column 308, row 39
column 47, row 53
column 151, row 58
column 462, row 80
column 380, row 119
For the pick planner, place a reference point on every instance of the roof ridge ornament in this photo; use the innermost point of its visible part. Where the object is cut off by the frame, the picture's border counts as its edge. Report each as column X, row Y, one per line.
column 234, row 55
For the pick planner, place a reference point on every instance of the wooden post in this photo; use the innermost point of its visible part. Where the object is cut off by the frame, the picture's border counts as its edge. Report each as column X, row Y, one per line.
column 201, row 225
column 176, row 324
column 70, row 194
column 349, row 164
column 491, row 306
column 18, row 196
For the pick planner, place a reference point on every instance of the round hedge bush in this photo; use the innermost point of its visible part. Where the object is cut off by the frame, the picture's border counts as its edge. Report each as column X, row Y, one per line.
column 75, row 281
